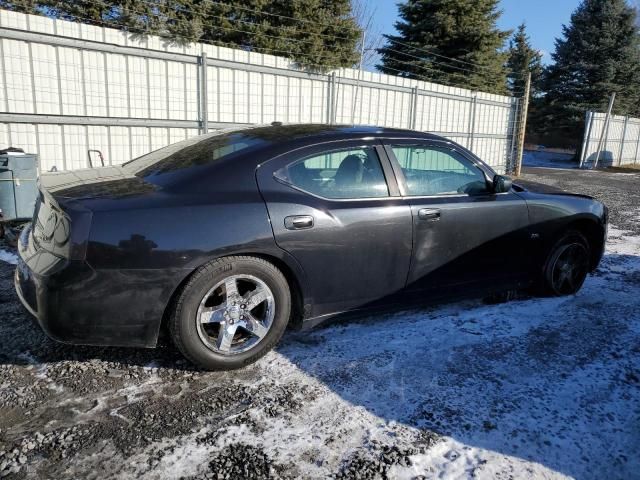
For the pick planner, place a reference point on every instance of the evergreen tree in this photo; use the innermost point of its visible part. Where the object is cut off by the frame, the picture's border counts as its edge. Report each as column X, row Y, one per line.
column 139, row 17
column 523, row 59
column 598, row 55
column 432, row 32
column 317, row 34
column 22, row 6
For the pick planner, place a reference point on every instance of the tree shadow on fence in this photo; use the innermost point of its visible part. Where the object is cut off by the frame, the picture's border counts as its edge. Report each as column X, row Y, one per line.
column 605, row 160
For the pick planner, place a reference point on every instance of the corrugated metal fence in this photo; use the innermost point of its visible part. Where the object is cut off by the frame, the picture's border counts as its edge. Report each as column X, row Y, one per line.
column 615, row 143
column 67, row 88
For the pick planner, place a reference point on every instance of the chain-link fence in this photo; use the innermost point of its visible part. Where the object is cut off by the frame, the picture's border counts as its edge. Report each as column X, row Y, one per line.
column 613, row 141
column 70, row 90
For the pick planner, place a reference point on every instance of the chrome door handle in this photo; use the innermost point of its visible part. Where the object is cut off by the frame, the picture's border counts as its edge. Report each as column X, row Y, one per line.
column 431, row 214
column 298, row 222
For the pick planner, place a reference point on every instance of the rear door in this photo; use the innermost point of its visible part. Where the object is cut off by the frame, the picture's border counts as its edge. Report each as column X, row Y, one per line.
column 336, row 208
column 464, row 234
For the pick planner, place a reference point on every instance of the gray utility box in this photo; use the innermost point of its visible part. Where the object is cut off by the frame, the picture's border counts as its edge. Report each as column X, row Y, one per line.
column 18, row 185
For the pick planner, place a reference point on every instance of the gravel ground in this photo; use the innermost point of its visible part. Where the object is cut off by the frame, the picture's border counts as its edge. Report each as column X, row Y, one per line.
column 620, row 191
column 535, row 388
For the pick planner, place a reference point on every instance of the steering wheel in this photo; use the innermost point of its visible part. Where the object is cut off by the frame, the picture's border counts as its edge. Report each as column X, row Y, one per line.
column 463, row 188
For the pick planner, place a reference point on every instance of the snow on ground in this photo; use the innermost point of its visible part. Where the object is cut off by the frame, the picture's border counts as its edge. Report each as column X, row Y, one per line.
column 8, row 257
column 541, row 158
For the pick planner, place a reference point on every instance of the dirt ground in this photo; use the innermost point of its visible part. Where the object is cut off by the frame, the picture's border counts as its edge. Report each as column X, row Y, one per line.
column 534, row 388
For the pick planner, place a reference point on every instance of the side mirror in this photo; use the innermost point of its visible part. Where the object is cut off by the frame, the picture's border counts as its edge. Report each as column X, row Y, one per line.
column 501, row 184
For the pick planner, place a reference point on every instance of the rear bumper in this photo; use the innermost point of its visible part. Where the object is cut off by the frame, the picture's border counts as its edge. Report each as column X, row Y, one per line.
column 30, row 293
column 78, row 305
column 18, row 283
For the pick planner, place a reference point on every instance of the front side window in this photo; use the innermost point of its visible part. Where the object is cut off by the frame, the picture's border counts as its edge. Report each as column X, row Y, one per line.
column 431, row 170
column 339, row 174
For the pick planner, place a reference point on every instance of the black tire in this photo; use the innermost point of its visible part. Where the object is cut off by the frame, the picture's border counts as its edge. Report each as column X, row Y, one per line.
column 183, row 321
column 567, row 265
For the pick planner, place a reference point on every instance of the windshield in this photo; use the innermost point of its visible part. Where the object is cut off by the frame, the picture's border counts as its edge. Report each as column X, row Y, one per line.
column 195, row 151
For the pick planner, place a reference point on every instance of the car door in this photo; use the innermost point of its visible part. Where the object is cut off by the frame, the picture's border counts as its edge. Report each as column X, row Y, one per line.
column 463, row 232
column 336, row 208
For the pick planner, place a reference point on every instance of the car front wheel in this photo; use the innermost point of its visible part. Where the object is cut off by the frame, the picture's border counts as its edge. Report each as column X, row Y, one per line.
column 567, row 265
column 231, row 312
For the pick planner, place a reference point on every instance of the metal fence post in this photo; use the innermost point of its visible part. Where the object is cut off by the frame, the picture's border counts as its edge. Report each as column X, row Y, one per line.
column 357, row 88
column 414, row 108
column 331, row 82
column 336, row 91
column 204, row 103
column 635, row 157
column 587, row 137
column 472, row 121
column 605, row 129
column 624, row 137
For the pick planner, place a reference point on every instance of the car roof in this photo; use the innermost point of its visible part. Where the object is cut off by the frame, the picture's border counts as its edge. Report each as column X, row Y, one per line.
column 293, row 132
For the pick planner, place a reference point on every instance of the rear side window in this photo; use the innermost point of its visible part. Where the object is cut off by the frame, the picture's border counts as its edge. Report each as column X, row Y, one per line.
column 194, row 152
column 339, row 174
column 430, row 170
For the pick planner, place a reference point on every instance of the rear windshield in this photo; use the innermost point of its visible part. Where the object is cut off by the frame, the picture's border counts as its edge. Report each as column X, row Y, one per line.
column 195, row 151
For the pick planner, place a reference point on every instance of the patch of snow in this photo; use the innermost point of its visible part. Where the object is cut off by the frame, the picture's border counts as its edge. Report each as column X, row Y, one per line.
column 8, row 257
column 451, row 459
column 542, row 158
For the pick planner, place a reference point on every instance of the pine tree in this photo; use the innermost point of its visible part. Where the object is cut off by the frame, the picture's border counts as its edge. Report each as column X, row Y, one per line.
column 139, row 17
column 22, row 6
column 432, row 32
column 523, row 59
column 599, row 54
column 318, row 34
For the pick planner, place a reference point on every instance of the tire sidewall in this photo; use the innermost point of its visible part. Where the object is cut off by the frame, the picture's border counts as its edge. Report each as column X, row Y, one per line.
column 568, row 238
column 188, row 339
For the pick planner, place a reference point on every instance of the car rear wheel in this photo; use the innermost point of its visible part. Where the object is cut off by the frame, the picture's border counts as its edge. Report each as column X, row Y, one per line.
column 567, row 265
column 231, row 312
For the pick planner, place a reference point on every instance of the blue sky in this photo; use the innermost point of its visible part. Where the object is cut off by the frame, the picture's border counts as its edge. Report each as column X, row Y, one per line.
column 544, row 18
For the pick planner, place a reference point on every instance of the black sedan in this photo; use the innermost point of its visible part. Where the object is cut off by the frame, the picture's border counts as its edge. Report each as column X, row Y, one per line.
column 225, row 239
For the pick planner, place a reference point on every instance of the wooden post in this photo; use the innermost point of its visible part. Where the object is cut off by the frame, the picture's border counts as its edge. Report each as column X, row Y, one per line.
column 523, row 125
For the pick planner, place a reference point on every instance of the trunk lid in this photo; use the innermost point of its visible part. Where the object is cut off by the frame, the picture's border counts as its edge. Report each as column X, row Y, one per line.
column 58, row 232
column 104, row 182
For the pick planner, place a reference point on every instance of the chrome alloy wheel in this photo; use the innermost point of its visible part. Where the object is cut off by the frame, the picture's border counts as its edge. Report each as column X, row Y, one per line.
column 235, row 315
column 570, row 268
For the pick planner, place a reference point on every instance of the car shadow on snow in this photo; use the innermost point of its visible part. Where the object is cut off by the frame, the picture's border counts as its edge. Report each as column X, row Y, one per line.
column 552, row 381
